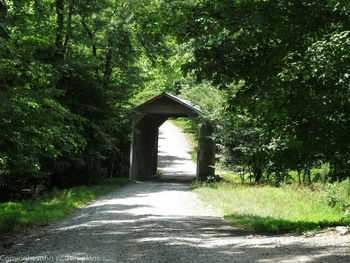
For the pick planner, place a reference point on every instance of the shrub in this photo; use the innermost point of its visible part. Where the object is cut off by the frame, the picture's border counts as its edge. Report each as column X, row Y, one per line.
column 10, row 213
column 337, row 195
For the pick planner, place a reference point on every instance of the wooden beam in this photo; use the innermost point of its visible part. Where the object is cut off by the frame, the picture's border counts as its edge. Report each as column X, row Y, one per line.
column 167, row 109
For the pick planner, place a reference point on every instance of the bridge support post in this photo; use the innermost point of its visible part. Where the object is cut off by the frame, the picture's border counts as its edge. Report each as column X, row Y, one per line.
column 205, row 153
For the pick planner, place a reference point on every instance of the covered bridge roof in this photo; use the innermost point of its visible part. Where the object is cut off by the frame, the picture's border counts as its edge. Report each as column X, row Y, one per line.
column 169, row 105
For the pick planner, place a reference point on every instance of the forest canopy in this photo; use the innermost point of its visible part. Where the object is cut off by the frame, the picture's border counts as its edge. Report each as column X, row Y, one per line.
column 284, row 69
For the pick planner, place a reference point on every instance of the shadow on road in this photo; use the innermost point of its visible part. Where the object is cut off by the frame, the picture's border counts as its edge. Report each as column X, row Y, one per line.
column 112, row 232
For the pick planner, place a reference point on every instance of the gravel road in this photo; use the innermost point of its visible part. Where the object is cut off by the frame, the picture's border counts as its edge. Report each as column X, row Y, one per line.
column 162, row 221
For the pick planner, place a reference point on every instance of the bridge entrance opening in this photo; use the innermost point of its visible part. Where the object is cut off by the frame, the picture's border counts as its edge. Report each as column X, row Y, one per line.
column 146, row 122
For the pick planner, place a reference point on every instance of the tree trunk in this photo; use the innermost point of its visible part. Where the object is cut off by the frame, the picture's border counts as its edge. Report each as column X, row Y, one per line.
column 299, row 176
column 243, row 175
column 258, row 174
column 69, row 28
column 108, row 66
column 91, row 36
column 60, row 26
column 309, row 175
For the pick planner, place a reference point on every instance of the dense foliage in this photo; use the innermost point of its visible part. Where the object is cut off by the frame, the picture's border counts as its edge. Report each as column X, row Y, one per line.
column 274, row 76
column 284, row 67
column 68, row 69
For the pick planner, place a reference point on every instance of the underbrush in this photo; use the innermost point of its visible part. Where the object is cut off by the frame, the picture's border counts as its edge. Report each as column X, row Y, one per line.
column 50, row 206
column 288, row 208
column 337, row 195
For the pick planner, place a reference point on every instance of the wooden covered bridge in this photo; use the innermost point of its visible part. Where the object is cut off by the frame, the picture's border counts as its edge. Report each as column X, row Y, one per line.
column 146, row 122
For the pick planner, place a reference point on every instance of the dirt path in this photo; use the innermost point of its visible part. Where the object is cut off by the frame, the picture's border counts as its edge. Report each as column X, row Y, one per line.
column 174, row 154
column 162, row 221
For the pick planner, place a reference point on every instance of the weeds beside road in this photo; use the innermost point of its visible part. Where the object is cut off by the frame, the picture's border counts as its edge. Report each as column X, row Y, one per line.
column 50, row 206
column 265, row 208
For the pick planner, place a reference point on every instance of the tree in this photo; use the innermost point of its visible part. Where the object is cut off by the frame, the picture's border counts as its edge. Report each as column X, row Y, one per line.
column 291, row 58
column 33, row 122
column 68, row 71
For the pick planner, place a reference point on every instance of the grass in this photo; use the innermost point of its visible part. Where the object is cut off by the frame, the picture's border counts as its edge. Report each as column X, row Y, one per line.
column 38, row 211
column 289, row 208
column 270, row 209
column 190, row 129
